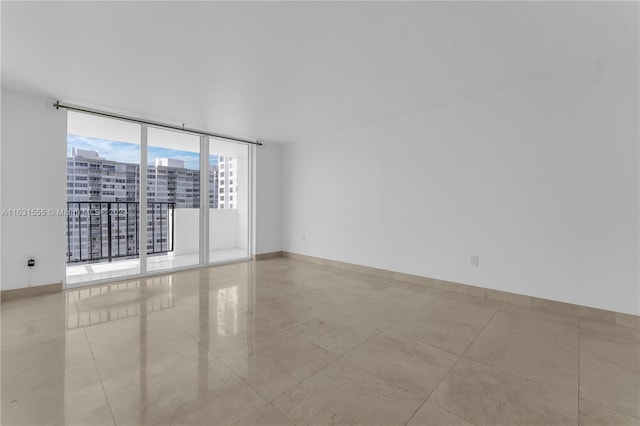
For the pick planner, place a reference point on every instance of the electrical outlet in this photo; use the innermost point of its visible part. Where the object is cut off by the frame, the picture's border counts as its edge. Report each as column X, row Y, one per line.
column 303, row 238
column 474, row 261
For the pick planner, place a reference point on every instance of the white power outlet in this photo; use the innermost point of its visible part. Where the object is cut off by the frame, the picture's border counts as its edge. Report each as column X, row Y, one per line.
column 303, row 238
column 474, row 261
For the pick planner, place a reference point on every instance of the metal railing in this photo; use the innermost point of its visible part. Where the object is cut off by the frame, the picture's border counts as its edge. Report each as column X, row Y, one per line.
column 103, row 231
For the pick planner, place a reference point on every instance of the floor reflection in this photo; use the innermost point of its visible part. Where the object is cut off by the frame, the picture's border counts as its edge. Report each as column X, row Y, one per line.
column 203, row 337
column 274, row 341
column 71, row 355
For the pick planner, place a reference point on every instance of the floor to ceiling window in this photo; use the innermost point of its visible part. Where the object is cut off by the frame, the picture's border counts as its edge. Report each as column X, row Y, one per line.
column 173, row 199
column 228, row 200
column 195, row 209
column 103, row 198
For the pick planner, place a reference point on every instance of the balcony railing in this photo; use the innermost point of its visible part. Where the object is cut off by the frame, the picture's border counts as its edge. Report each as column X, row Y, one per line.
column 103, row 231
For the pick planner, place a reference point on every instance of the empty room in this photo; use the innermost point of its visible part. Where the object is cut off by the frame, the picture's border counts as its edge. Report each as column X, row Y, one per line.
column 320, row 213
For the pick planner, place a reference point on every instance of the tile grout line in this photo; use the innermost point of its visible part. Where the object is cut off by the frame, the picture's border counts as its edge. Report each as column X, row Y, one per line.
column 395, row 333
column 93, row 358
column 460, row 356
column 605, row 407
column 338, row 358
column 95, row 364
column 283, row 414
column 268, row 401
column 432, row 391
column 463, row 355
column 166, row 379
column 382, row 330
column 579, row 362
column 342, row 356
column 184, row 329
column 386, row 330
column 580, row 329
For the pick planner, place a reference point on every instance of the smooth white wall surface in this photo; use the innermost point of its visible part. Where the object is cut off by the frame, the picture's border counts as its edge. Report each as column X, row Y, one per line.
column 540, row 182
column 186, row 232
column 223, row 230
column 33, row 176
column 268, row 198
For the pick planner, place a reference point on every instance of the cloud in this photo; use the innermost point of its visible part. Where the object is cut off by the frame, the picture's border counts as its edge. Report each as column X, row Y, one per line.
column 130, row 153
column 111, row 150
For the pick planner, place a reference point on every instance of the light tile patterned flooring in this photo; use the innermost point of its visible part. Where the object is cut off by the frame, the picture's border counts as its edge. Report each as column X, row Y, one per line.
column 86, row 272
column 281, row 342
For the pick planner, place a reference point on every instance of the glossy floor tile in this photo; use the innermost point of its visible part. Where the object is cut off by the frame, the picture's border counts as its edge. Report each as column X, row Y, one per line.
column 274, row 365
column 337, row 332
column 448, row 332
column 284, row 342
column 551, row 334
column 346, row 394
column 430, row 415
column 407, row 364
column 558, row 369
column 596, row 415
column 266, row 415
column 485, row 395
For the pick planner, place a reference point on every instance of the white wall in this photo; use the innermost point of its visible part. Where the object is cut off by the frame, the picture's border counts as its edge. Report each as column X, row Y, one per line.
column 187, row 231
column 223, row 230
column 33, row 172
column 540, row 182
column 224, row 225
column 268, row 198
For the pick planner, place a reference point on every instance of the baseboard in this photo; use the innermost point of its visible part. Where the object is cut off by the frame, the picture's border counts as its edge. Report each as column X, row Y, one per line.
column 265, row 256
column 578, row 311
column 19, row 293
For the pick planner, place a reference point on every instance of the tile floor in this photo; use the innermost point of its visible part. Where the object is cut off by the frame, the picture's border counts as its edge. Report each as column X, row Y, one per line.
column 85, row 272
column 281, row 342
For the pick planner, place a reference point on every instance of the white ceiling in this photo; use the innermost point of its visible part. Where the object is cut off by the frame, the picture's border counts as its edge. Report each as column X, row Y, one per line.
column 289, row 71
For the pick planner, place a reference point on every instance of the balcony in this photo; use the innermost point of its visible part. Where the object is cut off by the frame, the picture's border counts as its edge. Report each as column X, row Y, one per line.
column 174, row 225
column 105, row 231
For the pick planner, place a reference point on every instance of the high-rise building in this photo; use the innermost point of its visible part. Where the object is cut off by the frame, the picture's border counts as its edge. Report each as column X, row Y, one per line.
column 227, row 184
column 103, row 202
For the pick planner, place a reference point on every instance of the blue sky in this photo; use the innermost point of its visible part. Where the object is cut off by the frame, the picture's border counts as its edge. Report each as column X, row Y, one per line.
column 130, row 153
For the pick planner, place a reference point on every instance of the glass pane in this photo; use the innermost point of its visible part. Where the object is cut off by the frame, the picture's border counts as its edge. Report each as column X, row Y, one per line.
column 228, row 200
column 103, row 177
column 173, row 199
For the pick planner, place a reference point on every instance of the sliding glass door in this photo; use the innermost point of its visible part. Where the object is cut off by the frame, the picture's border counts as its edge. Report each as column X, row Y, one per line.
column 144, row 199
column 228, row 200
column 103, row 198
column 173, row 199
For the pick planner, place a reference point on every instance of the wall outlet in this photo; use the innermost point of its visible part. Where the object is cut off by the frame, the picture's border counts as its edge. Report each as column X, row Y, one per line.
column 303, row 238
column 474, row 261
column 31, row 262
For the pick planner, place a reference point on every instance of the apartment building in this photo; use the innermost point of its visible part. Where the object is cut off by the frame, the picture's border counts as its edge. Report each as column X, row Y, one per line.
column 103, row 203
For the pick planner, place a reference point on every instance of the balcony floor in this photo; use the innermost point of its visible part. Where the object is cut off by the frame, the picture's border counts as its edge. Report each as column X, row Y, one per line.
column 88, row 272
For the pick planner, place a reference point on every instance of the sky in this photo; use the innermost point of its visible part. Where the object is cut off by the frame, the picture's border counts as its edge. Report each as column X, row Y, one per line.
column 130, row 153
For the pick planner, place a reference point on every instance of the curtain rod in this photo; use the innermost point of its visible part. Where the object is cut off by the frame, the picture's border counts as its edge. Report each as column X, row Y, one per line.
column 69, row 107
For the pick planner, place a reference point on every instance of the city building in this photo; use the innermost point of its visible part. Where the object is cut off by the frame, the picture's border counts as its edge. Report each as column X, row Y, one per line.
column 103, row 203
